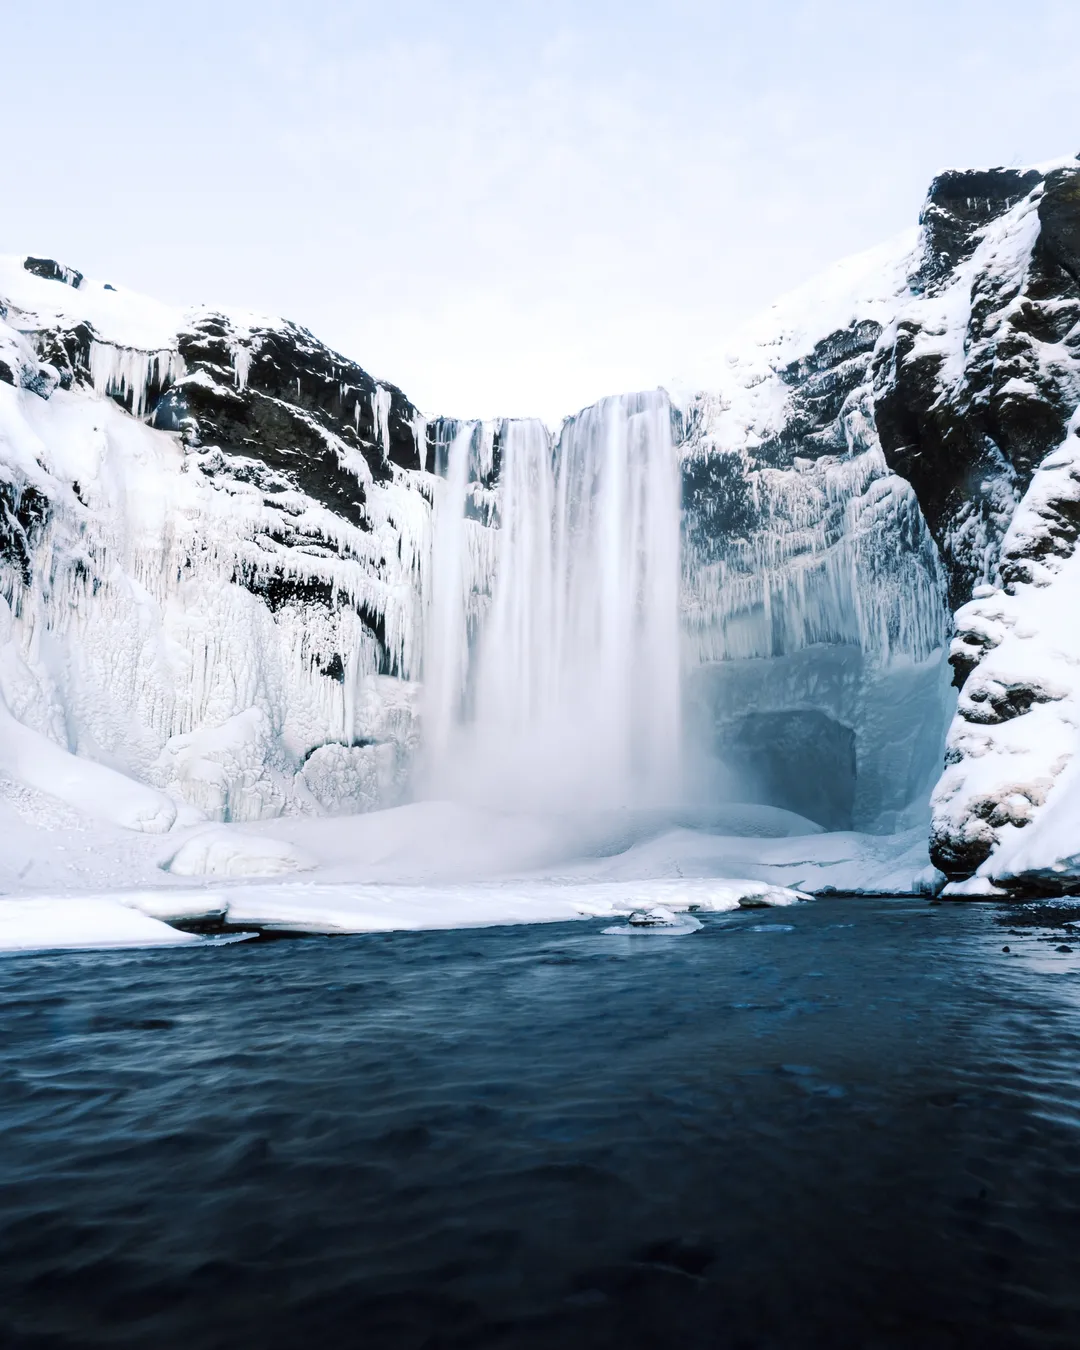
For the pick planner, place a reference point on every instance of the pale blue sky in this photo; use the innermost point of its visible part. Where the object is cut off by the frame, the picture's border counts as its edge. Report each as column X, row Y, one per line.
column 508, row 207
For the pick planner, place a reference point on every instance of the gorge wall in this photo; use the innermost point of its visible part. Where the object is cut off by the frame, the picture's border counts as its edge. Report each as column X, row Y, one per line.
column 220, row 557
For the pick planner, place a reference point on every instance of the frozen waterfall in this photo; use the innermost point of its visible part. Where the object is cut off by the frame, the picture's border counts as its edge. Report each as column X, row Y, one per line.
column 552, row 643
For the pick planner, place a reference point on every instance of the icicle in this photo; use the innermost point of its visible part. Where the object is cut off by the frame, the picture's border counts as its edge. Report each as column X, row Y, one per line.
column 136, row 376
column 241, row 357
column 419, row 430
column 381, row 400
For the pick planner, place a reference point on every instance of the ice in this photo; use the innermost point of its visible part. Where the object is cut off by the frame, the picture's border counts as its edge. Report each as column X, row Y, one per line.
column 974, row 888
column 381, row 399
column 138, row 378
column 389, row 907
column 658, row 920
column 48, row 923
column 128, row 643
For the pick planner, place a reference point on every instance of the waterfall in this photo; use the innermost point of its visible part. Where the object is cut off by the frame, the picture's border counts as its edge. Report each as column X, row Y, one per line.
column 552, row 643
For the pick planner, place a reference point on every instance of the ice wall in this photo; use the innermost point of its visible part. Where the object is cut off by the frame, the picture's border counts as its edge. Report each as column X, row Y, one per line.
column 814, row 600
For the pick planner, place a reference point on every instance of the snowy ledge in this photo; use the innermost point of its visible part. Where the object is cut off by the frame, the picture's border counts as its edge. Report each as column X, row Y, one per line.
column 145, row 918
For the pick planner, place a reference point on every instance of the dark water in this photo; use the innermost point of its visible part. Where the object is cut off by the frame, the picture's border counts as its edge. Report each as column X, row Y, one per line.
column 861, row 1130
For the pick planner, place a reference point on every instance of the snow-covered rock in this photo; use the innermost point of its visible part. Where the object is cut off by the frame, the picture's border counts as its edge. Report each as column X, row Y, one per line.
column 215, row 853
column 888, row 450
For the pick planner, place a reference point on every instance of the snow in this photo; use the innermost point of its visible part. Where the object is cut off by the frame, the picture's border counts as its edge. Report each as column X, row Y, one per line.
column 389, row 907
column 215, row 854
column 48, row 923
column 1013, row 742
column 32, row 759
column 118, row 316
column 974, row 888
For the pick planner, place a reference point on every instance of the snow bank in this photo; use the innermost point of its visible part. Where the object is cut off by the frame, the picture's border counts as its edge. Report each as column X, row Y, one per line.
column 31, row 758
column 45, row 924
column 844, row 862
column 317, row 908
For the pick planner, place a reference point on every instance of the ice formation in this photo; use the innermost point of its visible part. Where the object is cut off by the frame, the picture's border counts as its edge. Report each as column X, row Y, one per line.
column 136, row 378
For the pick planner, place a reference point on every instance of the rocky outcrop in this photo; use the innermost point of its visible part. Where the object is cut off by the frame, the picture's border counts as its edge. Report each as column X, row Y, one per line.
column 954, row 383
column 978, row 374
column 211, row 532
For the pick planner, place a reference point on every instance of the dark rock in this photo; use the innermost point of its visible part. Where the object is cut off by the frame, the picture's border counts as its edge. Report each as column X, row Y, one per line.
column 68, row 351
column 1059, row 216
column 334, row 668
column 969, row 449
column 24, row 512
column 53, row 271
column 717, row 502
column 962, row 202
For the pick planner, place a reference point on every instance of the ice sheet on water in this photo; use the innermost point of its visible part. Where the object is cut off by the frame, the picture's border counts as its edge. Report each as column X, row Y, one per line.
column 54, row 923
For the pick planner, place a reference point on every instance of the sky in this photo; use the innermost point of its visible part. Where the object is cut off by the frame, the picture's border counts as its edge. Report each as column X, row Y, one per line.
column 509, row 206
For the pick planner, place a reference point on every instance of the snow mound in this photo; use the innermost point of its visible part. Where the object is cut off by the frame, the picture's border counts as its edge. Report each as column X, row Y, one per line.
column 48, row 924
column 220, row 854
column 32, row 759
column 974, row 888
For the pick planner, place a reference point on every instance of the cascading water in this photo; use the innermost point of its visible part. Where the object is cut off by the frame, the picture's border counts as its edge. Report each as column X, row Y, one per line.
column 552, row 659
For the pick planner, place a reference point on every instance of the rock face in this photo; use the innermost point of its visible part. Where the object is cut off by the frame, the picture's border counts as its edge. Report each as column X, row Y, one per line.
column 813, row 592
column 977, row 376
column 216, row 542
column 210, row 548
column 858, row 477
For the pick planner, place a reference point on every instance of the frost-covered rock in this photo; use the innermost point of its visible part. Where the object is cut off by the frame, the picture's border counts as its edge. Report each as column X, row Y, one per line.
column 813, row 595
column 220, row 854
column 210, row 552
column 1000, row 805
column 857, row 476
